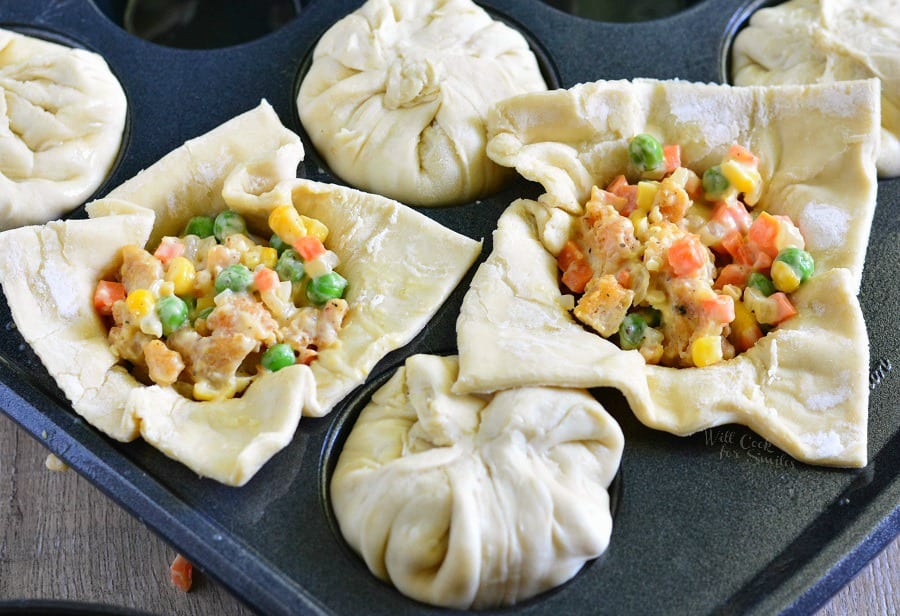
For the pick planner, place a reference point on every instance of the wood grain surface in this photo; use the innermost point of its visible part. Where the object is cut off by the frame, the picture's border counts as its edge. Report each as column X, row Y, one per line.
column 62, row 539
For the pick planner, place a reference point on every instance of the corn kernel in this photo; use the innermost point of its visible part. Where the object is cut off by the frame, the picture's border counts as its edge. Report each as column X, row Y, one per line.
column 314, row 227
column 181, row 274
column 743, row 318
column 140, row 302
column 745, row 179
column 706, row 350
column 268, row 256
column 204, row 302
column 762, row 308
column 784, row 277
column 646, row 193
column 788, row 236
column 286, row 223
column 251, row 257
column 639, row 221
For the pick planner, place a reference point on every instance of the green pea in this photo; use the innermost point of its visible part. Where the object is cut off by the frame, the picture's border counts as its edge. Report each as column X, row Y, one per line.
column 645, row 152
column 235, row 277
column 228, row 223
column 172, row 312
column 278, row 244
column 201, row 226
column 761, row 283
column 800, row 261
column 714, row 182
column 631, row 331
column 652, row 316
column 290, row 266
column 277, row 357
column 321, row 289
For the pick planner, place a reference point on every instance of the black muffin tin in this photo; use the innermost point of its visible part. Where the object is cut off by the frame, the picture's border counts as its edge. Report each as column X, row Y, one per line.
column 719, row 522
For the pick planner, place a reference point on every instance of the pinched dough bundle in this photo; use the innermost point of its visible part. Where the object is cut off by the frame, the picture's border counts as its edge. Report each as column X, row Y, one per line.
column 62, row 114
column 475, row 501
column 397, row 93
column 804, row 385
column 821, row 41
column 248, row 164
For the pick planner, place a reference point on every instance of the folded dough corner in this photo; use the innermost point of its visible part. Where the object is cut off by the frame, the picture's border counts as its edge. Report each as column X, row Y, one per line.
column 49, row 274
column 804, row 386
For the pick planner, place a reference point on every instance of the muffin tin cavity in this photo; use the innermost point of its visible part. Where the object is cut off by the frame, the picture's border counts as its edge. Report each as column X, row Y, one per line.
column 725, row 516
column 617, row 11
column 199, row 24
column 738, row 22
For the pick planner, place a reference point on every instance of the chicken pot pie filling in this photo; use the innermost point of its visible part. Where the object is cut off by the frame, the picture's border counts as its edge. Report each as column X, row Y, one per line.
column 804, row 384
column 209, row 311
column 469, row 501
column 676, row 265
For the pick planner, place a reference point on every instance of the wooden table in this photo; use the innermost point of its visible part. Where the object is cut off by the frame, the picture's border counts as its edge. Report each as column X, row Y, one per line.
column 61, row 538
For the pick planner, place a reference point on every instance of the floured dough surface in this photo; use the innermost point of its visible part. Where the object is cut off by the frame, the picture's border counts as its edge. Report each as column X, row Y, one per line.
column 805, row 385
column 821, row 41
column 49, row 274
column 397, row 93
column 62, row 115
column 475, row 501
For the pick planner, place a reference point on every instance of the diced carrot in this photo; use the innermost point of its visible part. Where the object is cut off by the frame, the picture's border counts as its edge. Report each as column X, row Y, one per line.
column 106, row 294
column 574, row 266
column 733, row 245
column 758, row 259
column 309, row 247
column 733, row 214
column 742, row 155
column 604, row 196
column 265, row 279
column 764, row 233
column 687, row 256
column 623, row 277
column 672, row 156
column 168, row 249
column 733, row 273
column 181, row 573
column 784, row 308
column 745, row 338
column 617, row 184
column 569, row 254
column 577, row 276
column 745, row 252
column 629, row 192
column 719, row 309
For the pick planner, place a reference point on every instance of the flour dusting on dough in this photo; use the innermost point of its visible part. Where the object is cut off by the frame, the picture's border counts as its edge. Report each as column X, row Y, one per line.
column 823, row 225
column 826, row 444
column 64, row 296
column 824, row 400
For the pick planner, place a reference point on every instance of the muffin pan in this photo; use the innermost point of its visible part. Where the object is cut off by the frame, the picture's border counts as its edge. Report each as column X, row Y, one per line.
column 720, row 521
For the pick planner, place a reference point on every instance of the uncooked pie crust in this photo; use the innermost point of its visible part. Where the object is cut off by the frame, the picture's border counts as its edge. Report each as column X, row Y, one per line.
column 49, row 273
column 804, row 386
column 62, row 116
